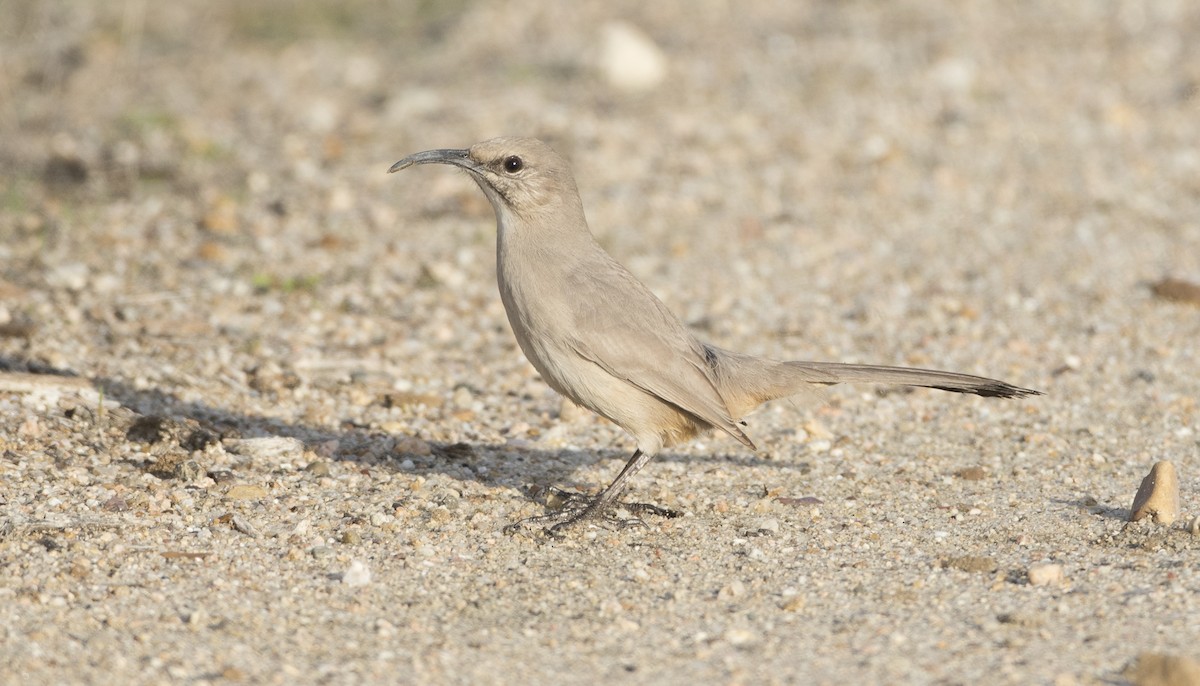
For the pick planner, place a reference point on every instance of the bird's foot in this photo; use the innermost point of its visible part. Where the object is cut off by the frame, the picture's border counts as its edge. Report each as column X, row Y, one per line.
column 571, row 508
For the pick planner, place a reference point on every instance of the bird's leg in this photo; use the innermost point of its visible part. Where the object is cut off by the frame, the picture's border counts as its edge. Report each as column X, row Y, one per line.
column 577, row 507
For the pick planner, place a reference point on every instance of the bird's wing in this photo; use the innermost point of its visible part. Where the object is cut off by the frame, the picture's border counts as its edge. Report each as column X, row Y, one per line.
column 630, row 333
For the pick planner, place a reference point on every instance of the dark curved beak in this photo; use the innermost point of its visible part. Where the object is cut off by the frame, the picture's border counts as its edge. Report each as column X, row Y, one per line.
column 458, row 158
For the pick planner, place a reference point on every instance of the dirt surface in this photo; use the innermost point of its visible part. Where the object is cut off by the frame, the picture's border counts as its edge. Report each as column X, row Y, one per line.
column 262, row 418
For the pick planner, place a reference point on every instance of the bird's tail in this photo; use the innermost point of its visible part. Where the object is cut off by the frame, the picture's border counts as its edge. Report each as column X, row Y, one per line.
column 908, row 376
column 746, row 381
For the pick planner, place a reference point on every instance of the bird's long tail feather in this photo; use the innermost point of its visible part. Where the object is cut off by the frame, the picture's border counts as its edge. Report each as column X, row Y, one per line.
column 906, row 376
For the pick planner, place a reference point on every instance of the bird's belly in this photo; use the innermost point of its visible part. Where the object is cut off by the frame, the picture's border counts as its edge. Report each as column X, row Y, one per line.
column 653, row 422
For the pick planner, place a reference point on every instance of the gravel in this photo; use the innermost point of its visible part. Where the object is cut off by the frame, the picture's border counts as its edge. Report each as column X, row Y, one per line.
column 262, row 418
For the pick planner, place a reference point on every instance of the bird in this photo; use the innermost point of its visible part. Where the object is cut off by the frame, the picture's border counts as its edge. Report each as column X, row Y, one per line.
column 599, row 337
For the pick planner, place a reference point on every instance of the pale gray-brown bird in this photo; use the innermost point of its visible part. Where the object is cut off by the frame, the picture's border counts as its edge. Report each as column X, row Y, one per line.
column 598, row 336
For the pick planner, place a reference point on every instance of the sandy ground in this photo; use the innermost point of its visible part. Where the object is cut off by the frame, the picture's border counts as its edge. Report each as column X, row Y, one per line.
column 262, row 418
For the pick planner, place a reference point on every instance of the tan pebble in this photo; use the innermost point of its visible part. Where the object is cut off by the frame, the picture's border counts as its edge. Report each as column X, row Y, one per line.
column 972, row 563
column 81, row 568
column 1194, row 526
column 211, row 251
column 1158, row 496
column 740, row 637
column 793, row 604
column 732, row 590
column 318, row 468
column 1177, row 290
column 1045, row 574
column 975, row 473
column 245, row 492
column 409, row 445
column 221, row 216
column 405, row 399
column 1157, row 669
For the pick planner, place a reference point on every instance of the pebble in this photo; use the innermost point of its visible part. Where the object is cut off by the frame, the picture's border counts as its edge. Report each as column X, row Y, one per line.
column 269, row 448
column 1194, row 526
column 629, row 59
column 1045, row 574
column 1157, row 669
column 732, row 590
column 318, row 468
column 740, row 637
column 975, row 473
column 766, row 525
column 188, row 470
column 72, row 276
column 357, row 574
column 1178, row 290
column 409, row 445
column 244, row 526
column 972, row 563
column 1158, row 496
column 245, row 492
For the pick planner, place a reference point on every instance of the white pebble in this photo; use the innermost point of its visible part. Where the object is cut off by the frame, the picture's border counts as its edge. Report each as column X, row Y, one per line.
column 1045, row 574
column 357, row 574
column 629, row 59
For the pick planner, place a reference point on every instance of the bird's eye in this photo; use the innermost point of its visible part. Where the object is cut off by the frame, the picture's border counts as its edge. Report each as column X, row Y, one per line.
column 513, row 164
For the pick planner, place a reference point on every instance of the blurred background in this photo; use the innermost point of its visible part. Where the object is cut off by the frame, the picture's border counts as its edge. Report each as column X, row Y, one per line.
column 195, row 215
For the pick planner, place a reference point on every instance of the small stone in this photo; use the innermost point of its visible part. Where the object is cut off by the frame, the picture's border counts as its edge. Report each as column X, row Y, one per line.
column 221, row 216
column 462, row 398
column 1045, row 574
column 972, row 563
column 732, row 590
column 405, row 399
column 350, row 538
column 740, row 637
column 794, row 604
column 243, row 525
column 357, row 574
column 246, row 492
column 629, row 59
column 1157, row 669
column 385, row 628
column 72, row 277
column 318, row 468
column 1158, row 496
column 188, row 470
column 1178, row 290
column 766, row 526
column 971, row 473
column 269, row 448
column 410, row 445
column 1194, row 526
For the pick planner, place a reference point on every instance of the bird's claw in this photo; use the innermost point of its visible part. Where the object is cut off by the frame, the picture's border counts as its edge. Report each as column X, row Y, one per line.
column 570, row 508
